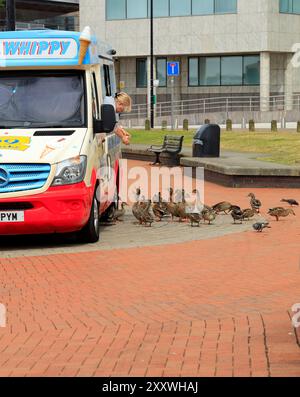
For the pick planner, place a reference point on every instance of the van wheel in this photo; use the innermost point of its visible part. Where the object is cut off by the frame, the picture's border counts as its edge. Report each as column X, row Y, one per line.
column 90, row 233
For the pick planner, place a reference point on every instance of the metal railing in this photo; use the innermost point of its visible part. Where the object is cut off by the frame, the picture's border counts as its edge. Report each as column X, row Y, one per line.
column 217, row 105
column 58, row 23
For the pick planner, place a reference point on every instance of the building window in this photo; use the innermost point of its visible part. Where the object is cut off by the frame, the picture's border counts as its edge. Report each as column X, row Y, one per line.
column 251, row 70
column 115, row 9
column 202, row 7
column 141, row 73
column 129, row 9
column 193, row 72
column 232, row 70
column 137, row 9
column 225, row 6
column 161, row 71
column 160, row 8
column 224, row 71
column 289, row 6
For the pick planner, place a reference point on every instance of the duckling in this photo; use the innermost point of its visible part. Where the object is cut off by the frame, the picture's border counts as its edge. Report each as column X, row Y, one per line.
column 208, row 215
column 145, row 215
column 237, row 215
column 248, row 213
column 254, row 202
column 260, row 226
column 224, row 206
column 119, row 213
column 278, row 212
column 292, row 202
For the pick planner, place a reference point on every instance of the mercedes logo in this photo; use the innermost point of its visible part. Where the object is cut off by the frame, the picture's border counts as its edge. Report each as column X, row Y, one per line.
column 4, row 177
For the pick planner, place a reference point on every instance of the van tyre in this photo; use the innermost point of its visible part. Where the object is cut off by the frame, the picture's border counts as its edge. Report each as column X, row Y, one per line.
column 90, row 233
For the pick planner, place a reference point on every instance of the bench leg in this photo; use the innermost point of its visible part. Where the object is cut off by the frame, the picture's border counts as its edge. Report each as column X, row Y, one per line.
column 156, row 159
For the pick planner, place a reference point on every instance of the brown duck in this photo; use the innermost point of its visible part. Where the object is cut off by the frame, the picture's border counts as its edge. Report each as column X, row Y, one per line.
column 254, row 202
column 280, row 212
column 224, row 206
column 249, row 213
column 180, row 209
column 171, row 206
column 208, row 215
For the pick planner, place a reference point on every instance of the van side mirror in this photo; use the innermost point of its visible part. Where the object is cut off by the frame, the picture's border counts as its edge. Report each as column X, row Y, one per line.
column 108, row 120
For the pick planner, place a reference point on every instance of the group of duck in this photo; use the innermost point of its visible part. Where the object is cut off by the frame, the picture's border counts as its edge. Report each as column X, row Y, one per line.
column 148, row 211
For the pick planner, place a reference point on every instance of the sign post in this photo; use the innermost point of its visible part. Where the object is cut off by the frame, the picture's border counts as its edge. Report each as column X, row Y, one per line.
column 173, row 71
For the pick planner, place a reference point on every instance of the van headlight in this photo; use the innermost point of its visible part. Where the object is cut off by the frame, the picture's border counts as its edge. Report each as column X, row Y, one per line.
column 70, row 171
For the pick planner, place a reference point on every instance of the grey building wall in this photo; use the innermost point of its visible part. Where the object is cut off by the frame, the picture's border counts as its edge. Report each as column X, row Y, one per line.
column 258, row 27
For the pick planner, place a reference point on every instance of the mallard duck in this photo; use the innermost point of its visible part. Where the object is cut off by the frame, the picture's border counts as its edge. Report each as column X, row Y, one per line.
column 208, row 215
column 237, row 215
column 260, row 226
column 254, row 202
column 194, row 217
column 119, row 213
column 171, row 206
column 280, row 212
column 180, row 209
column 292, row 202
column 224, row 206
column 157, row 208
column 145, row 215
column 249, row 213
column 136, row 209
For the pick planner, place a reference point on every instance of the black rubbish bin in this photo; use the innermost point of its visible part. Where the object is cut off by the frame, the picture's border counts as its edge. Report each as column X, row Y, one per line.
column 207, row 141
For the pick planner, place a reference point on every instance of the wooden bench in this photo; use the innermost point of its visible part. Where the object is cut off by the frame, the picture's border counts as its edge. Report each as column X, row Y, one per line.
column 171, row 145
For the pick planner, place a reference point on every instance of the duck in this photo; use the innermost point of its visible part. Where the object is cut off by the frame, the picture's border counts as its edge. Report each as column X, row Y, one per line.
column 280, row 212
column 249, row 213
column 237, row 215
column 119, row 213
column 157, row 208
column 171, row 206
column 260, row 226
column 145, row 215
column 136, row 206
column 208, row 215
column 292, row 202
column 195, row 217
column 224, row 206
column 199, row 204
column 180, row 209
column 254, row 202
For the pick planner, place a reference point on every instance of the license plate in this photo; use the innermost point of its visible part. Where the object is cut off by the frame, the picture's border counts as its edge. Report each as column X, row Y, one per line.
column 11, row 216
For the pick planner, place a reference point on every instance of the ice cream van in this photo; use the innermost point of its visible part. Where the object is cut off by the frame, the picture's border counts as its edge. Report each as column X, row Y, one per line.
column 56, row 133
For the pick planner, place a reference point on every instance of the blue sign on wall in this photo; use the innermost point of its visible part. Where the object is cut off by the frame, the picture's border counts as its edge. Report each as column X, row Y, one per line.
column 173, row 69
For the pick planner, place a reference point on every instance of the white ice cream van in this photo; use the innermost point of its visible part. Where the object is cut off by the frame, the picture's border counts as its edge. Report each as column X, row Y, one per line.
column 56, row 133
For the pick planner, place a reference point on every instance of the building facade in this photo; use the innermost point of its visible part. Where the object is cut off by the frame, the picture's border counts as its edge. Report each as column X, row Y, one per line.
column 226, row 48
column 44, row 14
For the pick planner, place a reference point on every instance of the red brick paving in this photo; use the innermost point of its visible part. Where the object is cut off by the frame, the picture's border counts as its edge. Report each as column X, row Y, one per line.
column 204, row 308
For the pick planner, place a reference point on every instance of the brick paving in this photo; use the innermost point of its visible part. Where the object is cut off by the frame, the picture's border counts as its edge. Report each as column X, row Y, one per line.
column 209, row 307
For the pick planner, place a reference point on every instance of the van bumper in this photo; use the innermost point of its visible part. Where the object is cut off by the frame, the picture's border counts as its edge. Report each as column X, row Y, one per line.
column 60, row 209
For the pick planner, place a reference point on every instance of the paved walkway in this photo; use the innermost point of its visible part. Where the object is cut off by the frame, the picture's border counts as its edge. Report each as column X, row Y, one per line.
column 209, row 307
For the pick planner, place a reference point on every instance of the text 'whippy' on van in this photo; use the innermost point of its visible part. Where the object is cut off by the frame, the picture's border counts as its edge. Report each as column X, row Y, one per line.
column 55, row 133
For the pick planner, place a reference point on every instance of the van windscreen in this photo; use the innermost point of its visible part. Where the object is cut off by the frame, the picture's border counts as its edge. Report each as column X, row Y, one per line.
column 41, row 100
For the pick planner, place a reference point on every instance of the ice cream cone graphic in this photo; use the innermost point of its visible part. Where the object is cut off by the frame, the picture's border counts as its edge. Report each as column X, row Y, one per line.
column 85, row 40
column 52, row 145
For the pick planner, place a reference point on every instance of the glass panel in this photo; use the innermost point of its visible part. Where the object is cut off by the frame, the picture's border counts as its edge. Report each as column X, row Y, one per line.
column 286, row 5
column 160, row 8
column 210, row 71
column 225, row 6
column 232, row 70
column 296, row 6
column 161, row 71
column 180, row 7
column 137, row 9
column 252, row 70
column 23, row 101
column 141, row 73
column 193, row 72
column 202, row 7
column 115, row 9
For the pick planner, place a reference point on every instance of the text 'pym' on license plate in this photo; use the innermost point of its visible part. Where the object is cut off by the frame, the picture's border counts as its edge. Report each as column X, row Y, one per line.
column 11, row 216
